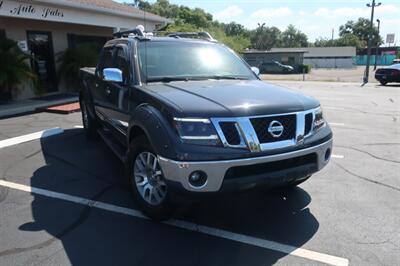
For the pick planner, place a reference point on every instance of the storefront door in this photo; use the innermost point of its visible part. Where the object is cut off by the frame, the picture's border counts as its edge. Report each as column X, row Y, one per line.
column 42, row 59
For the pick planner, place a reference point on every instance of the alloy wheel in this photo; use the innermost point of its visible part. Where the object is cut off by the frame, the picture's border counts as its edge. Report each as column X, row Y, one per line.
column 148, row 178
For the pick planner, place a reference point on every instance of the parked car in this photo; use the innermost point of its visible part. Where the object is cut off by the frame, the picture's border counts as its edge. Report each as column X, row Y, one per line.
column 388, row 74
column 189, row 117
column 396, row 61
column 274, row 67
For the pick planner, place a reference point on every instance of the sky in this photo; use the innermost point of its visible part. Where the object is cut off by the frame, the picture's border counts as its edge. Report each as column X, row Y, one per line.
column 316, row 18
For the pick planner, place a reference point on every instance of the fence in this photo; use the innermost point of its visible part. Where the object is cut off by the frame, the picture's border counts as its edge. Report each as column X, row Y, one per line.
column 386, row 59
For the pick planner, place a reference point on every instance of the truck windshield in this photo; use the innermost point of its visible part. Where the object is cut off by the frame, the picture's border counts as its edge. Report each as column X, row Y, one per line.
column 170, row 61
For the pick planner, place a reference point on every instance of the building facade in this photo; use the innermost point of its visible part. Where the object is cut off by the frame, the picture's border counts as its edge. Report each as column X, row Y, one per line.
column 292, row 57
column 327, row 57
column 45, row 28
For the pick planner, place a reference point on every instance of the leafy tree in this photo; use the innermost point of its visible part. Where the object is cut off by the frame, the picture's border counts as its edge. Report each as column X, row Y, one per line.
column 347, row 39
column 234, row 29
column 14, row 68
column 361, row 29
column 293, row 37
column 264, row 38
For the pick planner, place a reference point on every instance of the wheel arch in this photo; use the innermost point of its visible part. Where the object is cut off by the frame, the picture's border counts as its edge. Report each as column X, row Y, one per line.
column 148, row 121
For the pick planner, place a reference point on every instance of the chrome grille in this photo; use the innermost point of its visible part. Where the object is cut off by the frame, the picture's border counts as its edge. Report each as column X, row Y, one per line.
column 231, row 132
column 261, row 124
column 252, row 132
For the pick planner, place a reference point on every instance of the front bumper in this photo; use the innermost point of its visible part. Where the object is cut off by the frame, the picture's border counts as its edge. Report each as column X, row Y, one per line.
column 218, row 171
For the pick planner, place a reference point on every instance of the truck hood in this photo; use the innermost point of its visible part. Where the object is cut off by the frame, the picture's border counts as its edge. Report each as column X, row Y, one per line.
column 224, row 98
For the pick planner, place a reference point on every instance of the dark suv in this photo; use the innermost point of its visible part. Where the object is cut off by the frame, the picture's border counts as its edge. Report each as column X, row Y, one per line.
column 189, row 116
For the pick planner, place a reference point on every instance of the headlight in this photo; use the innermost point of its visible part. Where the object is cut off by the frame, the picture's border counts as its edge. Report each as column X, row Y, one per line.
column 196, row 131
column 319, row 120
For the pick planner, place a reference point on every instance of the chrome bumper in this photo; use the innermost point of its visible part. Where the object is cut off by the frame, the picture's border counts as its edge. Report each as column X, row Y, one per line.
column 179, row 171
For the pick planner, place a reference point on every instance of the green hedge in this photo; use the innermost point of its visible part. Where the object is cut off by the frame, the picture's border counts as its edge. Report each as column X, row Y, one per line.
column 306, row 68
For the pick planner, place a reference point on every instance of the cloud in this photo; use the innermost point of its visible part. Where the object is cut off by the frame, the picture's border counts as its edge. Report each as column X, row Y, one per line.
column 228, row 13
column 271, row 13
column 348, row 12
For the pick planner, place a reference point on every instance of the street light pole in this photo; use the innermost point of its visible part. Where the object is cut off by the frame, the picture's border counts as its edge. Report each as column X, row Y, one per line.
column 377, row 44
column 373, row 5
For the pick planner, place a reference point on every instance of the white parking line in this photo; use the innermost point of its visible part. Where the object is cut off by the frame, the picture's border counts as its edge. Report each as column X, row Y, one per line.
column 254, row 241
column 78, row 126
column 29, row 137
column 337, row 156
column 336, row 124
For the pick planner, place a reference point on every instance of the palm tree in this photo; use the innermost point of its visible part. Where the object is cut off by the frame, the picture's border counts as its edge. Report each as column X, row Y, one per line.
column 13, row 68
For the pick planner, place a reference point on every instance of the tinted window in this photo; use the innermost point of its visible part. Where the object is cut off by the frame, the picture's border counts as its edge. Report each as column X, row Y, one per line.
column 107, row 59
column 121, row 63
column 190, row 59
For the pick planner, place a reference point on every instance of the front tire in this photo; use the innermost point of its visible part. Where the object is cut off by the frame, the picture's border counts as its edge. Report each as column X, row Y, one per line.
column 383, row 82
column 147, row 181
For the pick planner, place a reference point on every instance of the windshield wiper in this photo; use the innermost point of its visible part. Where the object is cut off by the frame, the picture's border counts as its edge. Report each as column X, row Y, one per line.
column 167, row 79
column 218, row 77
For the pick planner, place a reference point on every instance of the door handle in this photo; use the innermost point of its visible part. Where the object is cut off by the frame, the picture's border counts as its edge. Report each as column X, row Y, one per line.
column 108, row 91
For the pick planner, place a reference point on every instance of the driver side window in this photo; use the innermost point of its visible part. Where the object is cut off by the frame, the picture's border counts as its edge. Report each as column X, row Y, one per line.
column 107, row 60
column 122, row 64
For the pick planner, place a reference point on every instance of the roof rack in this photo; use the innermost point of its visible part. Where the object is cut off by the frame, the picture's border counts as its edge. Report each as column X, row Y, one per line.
column 138, row 32
column 196, row 35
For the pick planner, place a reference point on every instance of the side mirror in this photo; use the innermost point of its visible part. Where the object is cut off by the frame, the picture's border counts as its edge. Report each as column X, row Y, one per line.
column 112, row 74
column 255, row 70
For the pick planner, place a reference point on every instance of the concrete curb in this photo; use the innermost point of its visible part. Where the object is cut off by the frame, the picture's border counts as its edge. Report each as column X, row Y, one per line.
column 31, row 107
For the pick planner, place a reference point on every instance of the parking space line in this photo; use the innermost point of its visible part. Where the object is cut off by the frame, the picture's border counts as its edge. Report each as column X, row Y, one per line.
column 337, row 156
column 253, row 241
column 29, row 137
column 78, row 126
column 336, row 124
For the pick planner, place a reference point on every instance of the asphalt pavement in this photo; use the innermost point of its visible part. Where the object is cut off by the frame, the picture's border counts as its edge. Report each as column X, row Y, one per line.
column 63, row 199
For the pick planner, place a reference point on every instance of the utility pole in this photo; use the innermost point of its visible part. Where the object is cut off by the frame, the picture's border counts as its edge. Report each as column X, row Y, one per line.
column 333, row 33
column 373, row 5
column 377, row 44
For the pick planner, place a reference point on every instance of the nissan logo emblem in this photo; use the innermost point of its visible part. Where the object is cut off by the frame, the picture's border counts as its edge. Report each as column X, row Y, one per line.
column 275, row 128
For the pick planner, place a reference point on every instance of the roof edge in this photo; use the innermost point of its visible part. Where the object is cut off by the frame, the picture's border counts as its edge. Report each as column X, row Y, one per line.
column 149, row 16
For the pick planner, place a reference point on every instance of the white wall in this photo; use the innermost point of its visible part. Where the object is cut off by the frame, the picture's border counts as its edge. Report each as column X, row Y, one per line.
column 329, row 62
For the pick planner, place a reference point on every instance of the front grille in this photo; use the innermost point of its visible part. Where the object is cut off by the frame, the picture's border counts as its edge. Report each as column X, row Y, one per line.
column 261, row 127
column 230, row 132
column 271, row 167
column 308, row 124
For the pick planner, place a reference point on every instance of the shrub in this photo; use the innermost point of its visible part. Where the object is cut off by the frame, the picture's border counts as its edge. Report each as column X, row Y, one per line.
column 305, row 68
column 73, row 59
column 14, row 68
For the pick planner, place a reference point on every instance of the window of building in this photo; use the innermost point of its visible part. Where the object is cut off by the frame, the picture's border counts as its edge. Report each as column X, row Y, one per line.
column 74, row 40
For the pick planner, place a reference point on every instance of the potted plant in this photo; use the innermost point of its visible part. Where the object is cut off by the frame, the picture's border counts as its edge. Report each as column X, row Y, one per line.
column 14, row 68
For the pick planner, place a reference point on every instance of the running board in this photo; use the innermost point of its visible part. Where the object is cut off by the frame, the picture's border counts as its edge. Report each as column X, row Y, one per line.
column 112, row 143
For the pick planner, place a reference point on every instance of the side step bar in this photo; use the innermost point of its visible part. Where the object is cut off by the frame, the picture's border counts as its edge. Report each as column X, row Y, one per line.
column 113, row 144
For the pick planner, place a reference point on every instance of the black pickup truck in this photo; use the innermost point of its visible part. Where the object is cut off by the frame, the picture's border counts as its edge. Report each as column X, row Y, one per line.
column 188, row 116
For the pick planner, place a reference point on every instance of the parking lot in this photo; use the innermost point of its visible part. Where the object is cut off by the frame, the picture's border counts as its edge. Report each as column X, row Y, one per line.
column 63, row 199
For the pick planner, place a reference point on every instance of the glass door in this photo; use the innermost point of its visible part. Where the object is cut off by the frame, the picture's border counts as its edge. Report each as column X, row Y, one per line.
column 40, row 45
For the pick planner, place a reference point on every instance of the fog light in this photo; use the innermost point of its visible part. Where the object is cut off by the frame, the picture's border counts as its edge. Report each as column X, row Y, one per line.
column 198, row 179
column 327, row 154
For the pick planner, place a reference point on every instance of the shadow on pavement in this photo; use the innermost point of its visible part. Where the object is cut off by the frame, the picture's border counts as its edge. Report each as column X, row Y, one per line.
column 88, row 169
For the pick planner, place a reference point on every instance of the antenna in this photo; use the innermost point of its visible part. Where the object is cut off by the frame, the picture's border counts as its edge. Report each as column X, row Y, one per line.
column 145, row 43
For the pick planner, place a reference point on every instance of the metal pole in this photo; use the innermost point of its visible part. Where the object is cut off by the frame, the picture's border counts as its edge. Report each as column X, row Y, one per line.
column 366, row 73
column 377, row 45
